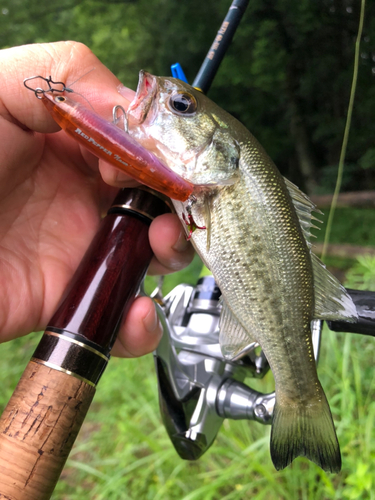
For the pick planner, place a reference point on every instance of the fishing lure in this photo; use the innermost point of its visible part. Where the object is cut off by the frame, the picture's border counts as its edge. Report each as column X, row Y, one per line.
column 108, row 142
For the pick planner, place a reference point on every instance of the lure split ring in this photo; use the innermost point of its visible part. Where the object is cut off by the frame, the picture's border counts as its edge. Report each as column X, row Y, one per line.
column 39, row 92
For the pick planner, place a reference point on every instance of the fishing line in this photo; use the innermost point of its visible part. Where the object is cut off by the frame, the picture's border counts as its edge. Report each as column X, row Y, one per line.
column 346, row 132
column 81, row 95
column 84, row 74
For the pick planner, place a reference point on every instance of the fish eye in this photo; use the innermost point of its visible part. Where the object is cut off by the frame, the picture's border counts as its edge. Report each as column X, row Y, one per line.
column 60, row 98
column 183, row 103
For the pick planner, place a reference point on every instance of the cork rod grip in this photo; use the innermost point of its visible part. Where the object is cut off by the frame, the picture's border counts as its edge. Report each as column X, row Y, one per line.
column 37, row 431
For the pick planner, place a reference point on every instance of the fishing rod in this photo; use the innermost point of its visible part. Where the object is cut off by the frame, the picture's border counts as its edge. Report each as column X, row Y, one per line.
column 43, row 417
column 45, row 413
column 216, row 53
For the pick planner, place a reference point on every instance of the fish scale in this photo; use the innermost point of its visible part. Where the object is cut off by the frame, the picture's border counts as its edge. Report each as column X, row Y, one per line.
column 257, row 247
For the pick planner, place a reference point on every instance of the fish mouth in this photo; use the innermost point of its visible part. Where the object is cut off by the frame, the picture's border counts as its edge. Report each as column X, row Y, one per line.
column 145, row 94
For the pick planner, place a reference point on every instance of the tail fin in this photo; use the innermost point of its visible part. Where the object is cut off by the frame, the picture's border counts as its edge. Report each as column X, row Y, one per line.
column 305, row 431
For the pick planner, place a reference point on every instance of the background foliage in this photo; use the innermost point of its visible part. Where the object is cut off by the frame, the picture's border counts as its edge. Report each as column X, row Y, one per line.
column 287, row 77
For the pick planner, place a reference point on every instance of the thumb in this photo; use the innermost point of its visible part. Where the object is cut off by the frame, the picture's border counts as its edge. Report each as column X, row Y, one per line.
column 66, row 62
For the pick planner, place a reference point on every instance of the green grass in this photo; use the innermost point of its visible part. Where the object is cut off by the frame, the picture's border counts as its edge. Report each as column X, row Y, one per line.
column 189, row 275
column 123, row 451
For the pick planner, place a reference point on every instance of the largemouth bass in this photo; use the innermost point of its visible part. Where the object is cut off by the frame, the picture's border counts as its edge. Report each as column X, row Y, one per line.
column 257, row 246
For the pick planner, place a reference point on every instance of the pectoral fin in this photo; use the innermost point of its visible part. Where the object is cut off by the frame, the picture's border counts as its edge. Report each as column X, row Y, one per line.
column 233, row 336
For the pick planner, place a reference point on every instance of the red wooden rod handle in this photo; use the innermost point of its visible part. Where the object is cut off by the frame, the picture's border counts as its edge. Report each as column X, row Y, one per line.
column 43, row 417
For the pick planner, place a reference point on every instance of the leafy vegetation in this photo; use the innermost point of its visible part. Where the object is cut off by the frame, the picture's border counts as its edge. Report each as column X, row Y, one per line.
column 362, row 275
column 288, row 74
column 352, row 226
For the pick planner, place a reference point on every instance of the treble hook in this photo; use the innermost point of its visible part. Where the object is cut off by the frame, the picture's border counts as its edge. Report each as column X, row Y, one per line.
column 38, row 91
column 189, row 219
column 116, row 118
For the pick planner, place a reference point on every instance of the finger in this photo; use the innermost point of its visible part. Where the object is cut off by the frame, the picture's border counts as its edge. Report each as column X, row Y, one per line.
column 115, row 177
column 171, row 249
column 141, row 331
column 65, row 62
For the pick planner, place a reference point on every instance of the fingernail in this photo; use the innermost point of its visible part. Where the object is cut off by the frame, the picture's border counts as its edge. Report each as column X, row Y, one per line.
column 152, row 322
column 126, row 93
column 182, row 243
column 121, row 177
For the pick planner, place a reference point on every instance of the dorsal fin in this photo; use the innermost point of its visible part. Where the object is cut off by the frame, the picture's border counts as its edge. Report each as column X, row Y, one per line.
column 332, row 302
column 304, row 208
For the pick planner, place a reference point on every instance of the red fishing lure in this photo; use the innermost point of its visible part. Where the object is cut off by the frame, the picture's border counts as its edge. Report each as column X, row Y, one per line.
column 110, row 143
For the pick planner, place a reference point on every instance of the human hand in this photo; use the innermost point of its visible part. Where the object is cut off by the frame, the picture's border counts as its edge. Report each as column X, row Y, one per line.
column 52, row 196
